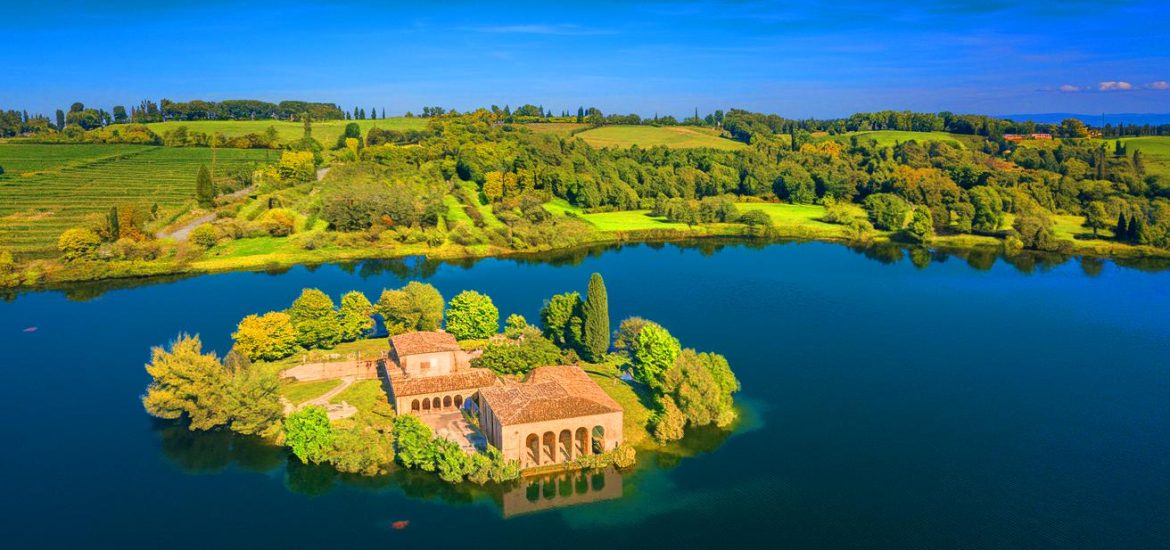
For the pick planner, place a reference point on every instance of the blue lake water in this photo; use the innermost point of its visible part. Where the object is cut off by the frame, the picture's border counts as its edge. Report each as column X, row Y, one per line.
column 888, row 404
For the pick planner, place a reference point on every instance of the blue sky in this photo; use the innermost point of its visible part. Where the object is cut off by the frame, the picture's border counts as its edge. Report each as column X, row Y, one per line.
column 803, row 59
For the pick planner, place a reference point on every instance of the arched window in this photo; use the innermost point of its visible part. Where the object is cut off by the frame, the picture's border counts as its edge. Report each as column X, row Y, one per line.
column 426, row 404
column 435, row 403
column 598, row 440
column 446, row 401
column 414, row 406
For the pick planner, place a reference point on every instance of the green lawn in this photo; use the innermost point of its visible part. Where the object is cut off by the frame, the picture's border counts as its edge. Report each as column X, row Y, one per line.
column 489, row 217
column 325, row 132
column 635, row 413
column 72, row 181
column 675, row 137
column 299, row 392
column 367, row 348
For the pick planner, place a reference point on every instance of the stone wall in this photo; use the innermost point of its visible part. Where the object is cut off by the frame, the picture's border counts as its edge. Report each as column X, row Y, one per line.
column 360, row 369
column 515, row 442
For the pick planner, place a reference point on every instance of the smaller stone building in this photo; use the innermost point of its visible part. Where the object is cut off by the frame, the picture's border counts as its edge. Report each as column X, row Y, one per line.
column 555, row 416
column 428, row 372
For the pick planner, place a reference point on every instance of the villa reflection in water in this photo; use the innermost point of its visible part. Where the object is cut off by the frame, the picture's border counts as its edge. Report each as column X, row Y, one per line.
column 548, row 492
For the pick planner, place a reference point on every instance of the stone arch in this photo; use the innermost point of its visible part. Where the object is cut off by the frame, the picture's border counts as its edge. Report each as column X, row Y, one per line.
column 532, row 450
column 549, row 447
column 459, row 402
column 565, row 446
column 598, row 481
column 435, row 403
column 426, row 404
column 581, row 442
column 598, row 439
column 414, row 406
column 532, row 492
column 446, row 401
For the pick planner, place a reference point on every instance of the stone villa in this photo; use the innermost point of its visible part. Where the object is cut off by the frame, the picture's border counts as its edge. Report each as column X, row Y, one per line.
column 554, row 416
column 429, row 372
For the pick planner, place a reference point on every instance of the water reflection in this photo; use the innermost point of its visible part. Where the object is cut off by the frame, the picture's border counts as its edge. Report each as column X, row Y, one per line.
column 214, row 451
column 982, row 258
column 549, row 492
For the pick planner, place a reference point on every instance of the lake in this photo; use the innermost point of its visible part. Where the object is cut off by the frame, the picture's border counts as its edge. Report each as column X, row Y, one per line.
column 890, row 400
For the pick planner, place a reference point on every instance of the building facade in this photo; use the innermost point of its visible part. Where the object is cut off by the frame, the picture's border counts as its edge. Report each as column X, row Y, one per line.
column 428, row 372
column 555, row 416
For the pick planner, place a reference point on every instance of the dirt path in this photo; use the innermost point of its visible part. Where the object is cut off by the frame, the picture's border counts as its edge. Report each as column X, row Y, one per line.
column 322, row 171
column 335, row 411
column 183, row 231
column 323, row 401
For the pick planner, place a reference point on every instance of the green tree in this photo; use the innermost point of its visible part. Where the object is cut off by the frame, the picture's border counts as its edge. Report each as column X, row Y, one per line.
column 693, row 384
column 187, row 383
column 1121, row 230
column 78, row 244
column 921, row 226
column 669, row 422
column 626, row 336
column 361, row 450
column 412, row 442
column 595, row 312
column 988, row 208
column 353, row 318
column 795, row 184
column 315, row 320
column 653, row 354
column 114, row 224
column 1073, row 128
column 1096, row 216
column 416, row 306
column 471, row 315
column 515, row 326
column 204, row 188
column 557, row 315
column 519, row 357
column 1035, row 231
column 886, row 211
column 309, row 434
column 254, row 395
column 266, row 337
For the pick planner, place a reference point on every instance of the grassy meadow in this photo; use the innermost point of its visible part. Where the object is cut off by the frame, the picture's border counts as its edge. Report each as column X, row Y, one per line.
column 889, row 138
column 60, row 185
column 1155, row 152
column 325, row 132
column 674, row 137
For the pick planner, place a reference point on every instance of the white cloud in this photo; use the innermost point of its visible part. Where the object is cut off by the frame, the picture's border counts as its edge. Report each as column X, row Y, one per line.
column 1069, row 88
column 1159, row 85
column 1114, row 85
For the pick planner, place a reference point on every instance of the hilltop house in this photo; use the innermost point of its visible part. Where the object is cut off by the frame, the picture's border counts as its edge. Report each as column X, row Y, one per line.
column 428, row 371
column 553, row 417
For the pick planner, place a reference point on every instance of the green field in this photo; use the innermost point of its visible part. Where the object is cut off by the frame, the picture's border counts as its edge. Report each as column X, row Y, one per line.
column 797, row 219
column 70, row 181
column 674, row 137
column 325, row 132
column 888, row 138
column 1155, row 152
column 556, row 128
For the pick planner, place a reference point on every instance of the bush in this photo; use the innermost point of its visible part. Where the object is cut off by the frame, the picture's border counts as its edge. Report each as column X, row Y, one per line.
column 624, row 456
column 206, row 235
column 669, row 422
column 309, row 434
column 519, row 357
column 78, row 244
column 887, row 211
column 266, row 337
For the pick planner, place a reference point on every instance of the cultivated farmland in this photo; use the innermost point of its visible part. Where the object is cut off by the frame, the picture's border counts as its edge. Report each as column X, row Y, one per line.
column 57, row 186
column 674, row 137
column 325, row 132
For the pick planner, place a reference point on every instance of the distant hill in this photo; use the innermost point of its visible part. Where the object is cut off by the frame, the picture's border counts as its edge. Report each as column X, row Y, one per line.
column 1095, row 120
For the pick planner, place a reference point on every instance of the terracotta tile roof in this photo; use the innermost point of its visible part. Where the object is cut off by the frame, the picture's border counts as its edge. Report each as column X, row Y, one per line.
column 413, row 343
column 550, row 393
column 469, row 379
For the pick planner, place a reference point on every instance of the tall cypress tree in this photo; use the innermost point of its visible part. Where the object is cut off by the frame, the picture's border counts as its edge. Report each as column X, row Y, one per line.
column 1122, row 230
column 204, row 188
column 1135, row 229
column 596, row 313
column 115, row 226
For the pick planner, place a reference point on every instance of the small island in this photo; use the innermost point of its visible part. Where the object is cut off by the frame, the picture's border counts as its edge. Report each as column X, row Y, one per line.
column 446, row 391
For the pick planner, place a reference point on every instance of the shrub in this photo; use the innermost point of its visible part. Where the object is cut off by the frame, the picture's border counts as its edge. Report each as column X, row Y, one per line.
column 887, row 211
column 266, row 337
column 78, row 243
column 206, row 235
column 519, row 357
column 309, row 434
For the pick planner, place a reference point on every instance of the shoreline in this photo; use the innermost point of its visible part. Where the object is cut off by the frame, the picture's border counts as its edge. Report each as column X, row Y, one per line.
column 130, row 271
